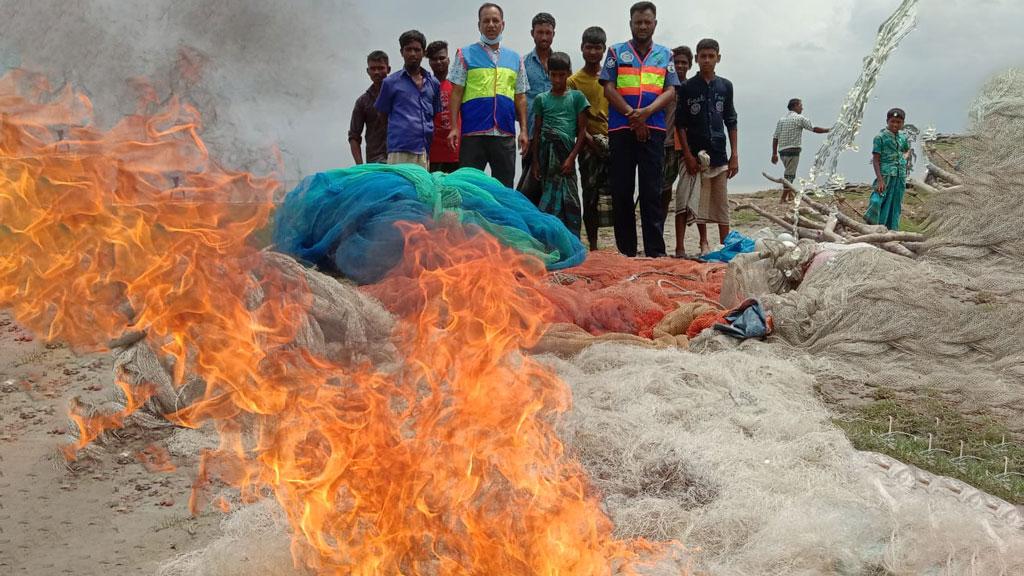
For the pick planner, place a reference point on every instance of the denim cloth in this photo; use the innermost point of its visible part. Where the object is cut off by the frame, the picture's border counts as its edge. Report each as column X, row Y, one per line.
column 538, row 81
column 410, row 111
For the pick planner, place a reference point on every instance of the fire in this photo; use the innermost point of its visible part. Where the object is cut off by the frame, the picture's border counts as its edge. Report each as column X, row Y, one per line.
column 449, row 464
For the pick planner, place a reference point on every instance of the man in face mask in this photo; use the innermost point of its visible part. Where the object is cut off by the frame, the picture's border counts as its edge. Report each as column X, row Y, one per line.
column 488, row 98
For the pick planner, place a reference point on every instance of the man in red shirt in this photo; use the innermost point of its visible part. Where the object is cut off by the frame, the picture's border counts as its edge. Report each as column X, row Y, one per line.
column 443, row 158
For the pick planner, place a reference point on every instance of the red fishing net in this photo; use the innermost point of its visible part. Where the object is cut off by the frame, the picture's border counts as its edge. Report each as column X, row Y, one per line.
column 608, row 293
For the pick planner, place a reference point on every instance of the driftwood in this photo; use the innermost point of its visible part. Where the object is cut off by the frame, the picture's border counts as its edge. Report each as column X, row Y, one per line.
column 838, row 227
column 889, row 237
column 945, row 174
column 919, row 185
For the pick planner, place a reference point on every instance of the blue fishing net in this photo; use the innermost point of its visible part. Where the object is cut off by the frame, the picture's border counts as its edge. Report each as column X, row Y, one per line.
column 344, row 219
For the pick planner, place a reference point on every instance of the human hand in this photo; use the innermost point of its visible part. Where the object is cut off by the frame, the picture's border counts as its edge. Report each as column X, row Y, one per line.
column 590, row 143
column 775, row 158
column 643, row 133
column 881, row 186
column 692, row 167
column 524, row 144
column 535, row 170
column 734, row 166
column 453, row 138
column 569, row 166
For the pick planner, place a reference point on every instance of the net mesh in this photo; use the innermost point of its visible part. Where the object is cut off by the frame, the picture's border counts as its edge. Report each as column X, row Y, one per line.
column 951, row 321
column 609, row 293
column 733, row 455
column 344, row 220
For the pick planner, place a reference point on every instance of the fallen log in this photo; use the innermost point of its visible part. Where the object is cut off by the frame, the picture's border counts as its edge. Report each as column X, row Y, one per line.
column 869, row 233
column 897, row 248
column 926, row 188
column 767, row 215
column 945, row 174
column 891, row 236
column 830, row 226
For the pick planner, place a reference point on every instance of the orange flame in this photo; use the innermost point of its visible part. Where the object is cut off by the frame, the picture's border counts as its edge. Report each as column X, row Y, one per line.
column 448, row 465
column 156, row 459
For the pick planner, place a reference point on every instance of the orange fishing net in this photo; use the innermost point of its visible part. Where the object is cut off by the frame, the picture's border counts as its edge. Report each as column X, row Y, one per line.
column 608, row 293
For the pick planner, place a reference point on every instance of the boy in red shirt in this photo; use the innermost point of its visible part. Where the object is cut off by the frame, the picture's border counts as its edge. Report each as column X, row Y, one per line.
column 443, row 158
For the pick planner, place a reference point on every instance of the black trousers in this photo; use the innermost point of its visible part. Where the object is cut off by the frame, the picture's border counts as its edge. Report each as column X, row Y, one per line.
column 446, row 167
column 629, row 156
column 497, row 151
column 528, row 185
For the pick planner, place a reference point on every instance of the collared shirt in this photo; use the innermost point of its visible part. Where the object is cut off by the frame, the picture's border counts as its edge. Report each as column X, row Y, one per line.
column 597, row 114
column 892, row 151
column 410, row 110
column 538, row 81
column 790, row 130
column 364, row 115
column 457, row 76
column 440, row 152
column 705, row 111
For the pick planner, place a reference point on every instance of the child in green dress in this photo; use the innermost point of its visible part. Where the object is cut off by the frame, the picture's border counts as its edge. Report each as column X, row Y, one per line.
column 560, row 127
column 889, row 158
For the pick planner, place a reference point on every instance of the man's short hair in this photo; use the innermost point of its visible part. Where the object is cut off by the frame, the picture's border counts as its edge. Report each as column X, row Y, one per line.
column 643, row 7
column 377, row 56
column 542, row 18
column 708, row 44
column 793, row 103
column 559, row 61
column 436, row 46
column 595, row 35
column 683, row 51
column 485, row 6
column 411, row 36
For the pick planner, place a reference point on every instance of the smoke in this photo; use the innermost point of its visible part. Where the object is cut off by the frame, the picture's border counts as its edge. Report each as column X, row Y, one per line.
column 262, row 73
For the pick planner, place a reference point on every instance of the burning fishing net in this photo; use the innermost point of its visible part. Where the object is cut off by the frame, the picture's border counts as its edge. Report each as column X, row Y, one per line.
column 733, row 454
column 608, row 297
column 447, row 462
column 344, row 220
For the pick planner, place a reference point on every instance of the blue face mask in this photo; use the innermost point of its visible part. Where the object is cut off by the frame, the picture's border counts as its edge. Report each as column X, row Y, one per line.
column 490, row 42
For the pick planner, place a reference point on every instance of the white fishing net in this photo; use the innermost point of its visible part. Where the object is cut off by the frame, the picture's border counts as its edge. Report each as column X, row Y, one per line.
column 731, row 454
column 952, row 321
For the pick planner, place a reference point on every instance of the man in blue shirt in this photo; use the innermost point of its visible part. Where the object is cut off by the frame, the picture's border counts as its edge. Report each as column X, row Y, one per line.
column 410, row 98
column 639, row 81
column 705, row 113
column 536, row 65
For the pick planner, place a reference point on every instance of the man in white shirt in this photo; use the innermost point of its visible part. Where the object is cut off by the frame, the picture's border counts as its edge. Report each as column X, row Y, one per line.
column 788, row 138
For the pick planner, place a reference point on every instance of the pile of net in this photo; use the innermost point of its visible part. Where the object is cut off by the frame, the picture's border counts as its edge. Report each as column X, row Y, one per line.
column 950, row 322
column 644, row 301
column 731, row 454
column 341, row 324
column 344, row 220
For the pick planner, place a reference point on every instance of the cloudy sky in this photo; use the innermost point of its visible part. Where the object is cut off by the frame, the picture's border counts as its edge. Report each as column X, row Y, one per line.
column 287, row 73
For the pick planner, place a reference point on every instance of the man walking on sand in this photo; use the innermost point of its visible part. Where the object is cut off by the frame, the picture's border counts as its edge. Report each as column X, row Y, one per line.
column 788, row 138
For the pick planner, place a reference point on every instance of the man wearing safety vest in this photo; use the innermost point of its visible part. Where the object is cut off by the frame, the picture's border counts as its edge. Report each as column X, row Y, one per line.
column 639, row 82
column 489, row 96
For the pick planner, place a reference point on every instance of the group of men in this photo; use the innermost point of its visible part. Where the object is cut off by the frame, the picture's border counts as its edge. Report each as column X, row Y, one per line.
column 641, row 125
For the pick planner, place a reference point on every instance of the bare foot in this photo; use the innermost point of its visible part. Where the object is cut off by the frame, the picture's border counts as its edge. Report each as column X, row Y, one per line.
column 704, row 248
